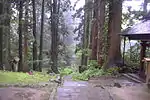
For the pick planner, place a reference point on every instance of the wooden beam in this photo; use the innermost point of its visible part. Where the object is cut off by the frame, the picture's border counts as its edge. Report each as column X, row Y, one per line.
column 142, row 56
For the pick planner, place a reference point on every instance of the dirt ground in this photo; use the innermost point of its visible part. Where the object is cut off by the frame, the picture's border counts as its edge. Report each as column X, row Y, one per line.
column 27, row 93
column 131, row 93
column 122, row 88
column 21, row 94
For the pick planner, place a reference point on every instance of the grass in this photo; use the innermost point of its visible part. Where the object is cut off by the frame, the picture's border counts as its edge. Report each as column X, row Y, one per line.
column 25, row 78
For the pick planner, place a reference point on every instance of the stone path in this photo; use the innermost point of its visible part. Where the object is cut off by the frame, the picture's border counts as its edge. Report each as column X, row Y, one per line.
column 72, row 90
column 81, row 90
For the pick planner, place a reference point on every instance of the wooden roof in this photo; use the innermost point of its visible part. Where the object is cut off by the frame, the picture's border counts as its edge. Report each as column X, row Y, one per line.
column 140, row 31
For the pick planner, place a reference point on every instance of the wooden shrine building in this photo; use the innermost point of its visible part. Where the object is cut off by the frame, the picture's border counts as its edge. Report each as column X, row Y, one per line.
column 141, row 32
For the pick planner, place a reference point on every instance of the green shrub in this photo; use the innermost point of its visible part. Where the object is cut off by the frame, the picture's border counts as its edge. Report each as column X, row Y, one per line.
column 66, row 71
column 93, row 64
column 91, row 72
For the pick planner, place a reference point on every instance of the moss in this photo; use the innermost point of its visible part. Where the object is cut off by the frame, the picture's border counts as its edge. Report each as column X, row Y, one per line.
column 19, row 77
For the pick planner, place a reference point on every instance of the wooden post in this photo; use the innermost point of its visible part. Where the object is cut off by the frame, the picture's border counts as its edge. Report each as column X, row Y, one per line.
column 124, row 49
column 142, row 55
column 147, row 71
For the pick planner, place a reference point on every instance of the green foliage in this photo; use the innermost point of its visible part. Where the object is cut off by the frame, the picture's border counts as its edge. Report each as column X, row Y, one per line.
column 113, row 70
column 66, row 71
column 23, row 78
column 86, row 51
column 93, row 64
column 132, row 56
column 91, row 72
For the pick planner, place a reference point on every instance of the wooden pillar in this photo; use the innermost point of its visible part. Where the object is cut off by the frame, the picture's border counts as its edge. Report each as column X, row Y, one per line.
column 142, row 55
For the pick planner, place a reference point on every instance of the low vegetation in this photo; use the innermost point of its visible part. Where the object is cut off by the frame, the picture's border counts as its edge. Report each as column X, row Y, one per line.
column 92, row 70
column 66, row 71
column 26, row 78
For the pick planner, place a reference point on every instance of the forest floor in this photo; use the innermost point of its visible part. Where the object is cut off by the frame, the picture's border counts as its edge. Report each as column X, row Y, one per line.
column 42, row 91
column 25, row 86
column 102, row 88
column 98, row 88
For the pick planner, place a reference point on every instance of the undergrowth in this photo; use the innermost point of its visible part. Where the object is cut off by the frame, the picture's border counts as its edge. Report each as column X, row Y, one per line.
column 25, row 78
column 91, row 72
column 66, row 71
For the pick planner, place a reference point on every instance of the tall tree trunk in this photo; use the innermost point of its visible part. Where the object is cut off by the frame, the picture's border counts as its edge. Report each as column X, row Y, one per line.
column 41, row 37
column 101, row 20
column 94, row 39
column 115, row 17
column 26, row 32
column 35, row 55
column 20, row 65
column 94, row 31
column 87, row 31
column 7, row 35
column 54, row 41
column 1, row 36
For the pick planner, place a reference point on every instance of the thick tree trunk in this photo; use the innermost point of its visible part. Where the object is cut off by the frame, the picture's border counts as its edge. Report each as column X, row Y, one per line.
column 35, row 55
column 26, row 32
column 20, row 65
column 87, row 31
column 100, row 42
column 41, row 37
column 6, row 35
column 54, row 43
column 94, row 39
column 114, row 28
column 1, row 37
column 94, row 31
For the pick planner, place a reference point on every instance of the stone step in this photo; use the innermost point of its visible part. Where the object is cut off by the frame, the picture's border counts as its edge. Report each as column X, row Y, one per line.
column 137, row 77
column 133, row 78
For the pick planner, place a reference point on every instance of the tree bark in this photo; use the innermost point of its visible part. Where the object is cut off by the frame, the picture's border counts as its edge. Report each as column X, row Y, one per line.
column 87, row 31
column 114, row 28
column 94, row 31
column 26, row 33
column 7, row 35
column 54, row 41
column 20, row 65
column 101, row 21
column 41, row 37
column 1, row 36
column 94, row 39
column 35, row 55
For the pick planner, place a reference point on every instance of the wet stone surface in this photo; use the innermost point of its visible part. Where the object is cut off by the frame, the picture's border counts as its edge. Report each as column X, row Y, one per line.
column 72, row 90
column 82, row 93
column 102, row 89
